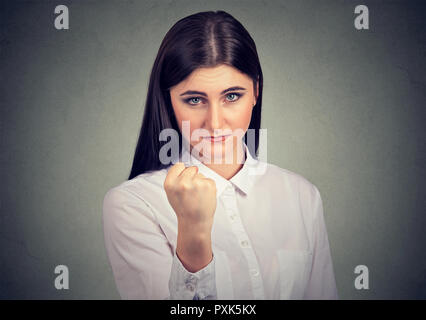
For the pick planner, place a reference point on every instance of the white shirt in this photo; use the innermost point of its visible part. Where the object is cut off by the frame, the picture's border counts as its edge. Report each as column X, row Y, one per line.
column 269, row 238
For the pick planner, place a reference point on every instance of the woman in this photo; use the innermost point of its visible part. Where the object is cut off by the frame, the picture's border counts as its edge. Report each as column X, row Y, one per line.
column 211, row 221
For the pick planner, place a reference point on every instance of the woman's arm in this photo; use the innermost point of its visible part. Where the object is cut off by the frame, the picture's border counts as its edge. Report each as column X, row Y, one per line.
column 321, row 284
column 143, row 263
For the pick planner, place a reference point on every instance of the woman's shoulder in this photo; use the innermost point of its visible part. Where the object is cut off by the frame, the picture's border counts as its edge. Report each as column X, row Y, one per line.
column 139, row 187
column 293, row 185
column 292, row 179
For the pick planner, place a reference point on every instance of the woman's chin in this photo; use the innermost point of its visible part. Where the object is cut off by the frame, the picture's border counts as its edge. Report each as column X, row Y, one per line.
column 217, row 156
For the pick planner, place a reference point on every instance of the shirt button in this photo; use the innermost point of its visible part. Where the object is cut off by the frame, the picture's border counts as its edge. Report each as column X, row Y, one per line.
column 191, row 279
column 244, row 243
column 190, row 286
column 232, row 217
column 254, row 272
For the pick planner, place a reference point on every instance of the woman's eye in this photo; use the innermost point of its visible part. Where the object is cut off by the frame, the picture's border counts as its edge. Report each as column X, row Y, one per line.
column 233, row 97
column 193, row 100
column 230, row 97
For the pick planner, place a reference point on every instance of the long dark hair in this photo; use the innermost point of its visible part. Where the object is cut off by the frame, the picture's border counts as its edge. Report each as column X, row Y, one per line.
column 204, row 39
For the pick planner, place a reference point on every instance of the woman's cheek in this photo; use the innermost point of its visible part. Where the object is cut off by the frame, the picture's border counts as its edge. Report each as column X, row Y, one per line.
column 242, row 118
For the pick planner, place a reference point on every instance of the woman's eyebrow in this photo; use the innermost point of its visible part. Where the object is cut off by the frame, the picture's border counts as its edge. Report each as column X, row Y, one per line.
column 205, row 95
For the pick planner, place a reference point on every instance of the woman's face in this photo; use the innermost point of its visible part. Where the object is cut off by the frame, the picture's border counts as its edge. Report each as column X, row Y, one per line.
column 217, row 102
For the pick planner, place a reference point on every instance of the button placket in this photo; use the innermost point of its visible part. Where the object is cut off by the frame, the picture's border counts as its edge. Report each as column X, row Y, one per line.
column 231, row 208
column 254, row 272
column 190, row 287
column 191, row 283
column 244, row 243
column 229, row 198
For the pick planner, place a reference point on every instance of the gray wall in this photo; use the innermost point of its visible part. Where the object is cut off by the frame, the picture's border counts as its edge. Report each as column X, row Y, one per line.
column 344, row 108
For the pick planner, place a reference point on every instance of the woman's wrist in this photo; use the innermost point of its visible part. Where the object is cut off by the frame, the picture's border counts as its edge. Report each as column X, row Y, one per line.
column 194, row 251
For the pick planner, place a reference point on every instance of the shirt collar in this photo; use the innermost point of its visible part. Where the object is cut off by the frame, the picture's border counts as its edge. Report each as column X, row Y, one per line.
column 244, row 179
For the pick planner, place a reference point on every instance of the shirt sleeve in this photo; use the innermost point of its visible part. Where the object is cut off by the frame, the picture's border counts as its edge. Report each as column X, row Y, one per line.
column 321, row 284
column 141, row 258
column 200, row 285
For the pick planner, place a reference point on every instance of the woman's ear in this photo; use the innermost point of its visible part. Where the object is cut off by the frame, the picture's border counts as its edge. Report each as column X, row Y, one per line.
column 256, row 93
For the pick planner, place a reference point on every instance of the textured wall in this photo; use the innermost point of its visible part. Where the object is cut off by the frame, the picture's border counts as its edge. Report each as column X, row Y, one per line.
column 344, row 108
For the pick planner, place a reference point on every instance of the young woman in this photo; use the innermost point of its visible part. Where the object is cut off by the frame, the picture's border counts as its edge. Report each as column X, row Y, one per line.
column 213, row 222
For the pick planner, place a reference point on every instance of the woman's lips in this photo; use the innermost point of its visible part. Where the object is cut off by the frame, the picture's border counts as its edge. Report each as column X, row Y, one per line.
column 217, row 138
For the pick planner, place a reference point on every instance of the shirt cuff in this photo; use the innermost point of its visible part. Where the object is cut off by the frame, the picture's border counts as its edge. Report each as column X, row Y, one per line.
column 185, row 285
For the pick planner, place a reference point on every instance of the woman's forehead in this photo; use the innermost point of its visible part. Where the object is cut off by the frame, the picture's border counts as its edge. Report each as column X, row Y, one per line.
column 214, row 79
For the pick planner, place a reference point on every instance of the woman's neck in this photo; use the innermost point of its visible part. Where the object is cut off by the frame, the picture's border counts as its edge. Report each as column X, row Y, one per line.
column 225, row 170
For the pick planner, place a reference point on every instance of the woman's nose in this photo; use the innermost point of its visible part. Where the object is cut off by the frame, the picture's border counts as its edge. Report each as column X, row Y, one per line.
column 214, row 117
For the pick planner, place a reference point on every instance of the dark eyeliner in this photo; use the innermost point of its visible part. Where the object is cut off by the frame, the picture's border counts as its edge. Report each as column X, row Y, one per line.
column 188, row 100
column 239, row 95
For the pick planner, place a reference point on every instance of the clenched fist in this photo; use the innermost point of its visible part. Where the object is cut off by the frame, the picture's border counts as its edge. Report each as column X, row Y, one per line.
column 193, row 198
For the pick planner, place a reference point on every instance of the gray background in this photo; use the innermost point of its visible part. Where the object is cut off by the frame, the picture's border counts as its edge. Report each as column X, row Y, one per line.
column 344, row 108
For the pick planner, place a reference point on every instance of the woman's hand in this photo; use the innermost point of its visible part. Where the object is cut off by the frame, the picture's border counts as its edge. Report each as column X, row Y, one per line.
column 193, row 198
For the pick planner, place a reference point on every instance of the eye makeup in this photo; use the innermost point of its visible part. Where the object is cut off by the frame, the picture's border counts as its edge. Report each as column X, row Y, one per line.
column 190, row 99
